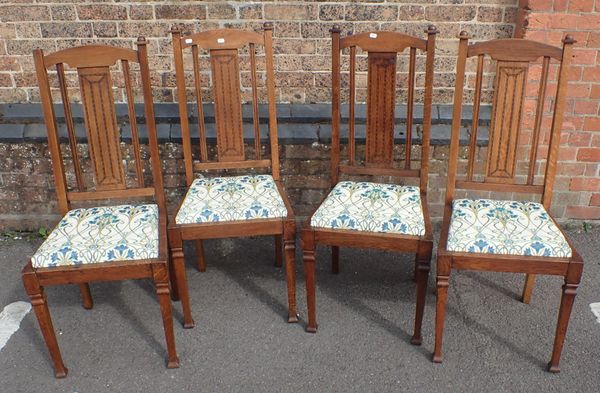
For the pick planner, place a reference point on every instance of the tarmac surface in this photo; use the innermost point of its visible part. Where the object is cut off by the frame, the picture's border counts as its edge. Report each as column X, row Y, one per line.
column 242, row 343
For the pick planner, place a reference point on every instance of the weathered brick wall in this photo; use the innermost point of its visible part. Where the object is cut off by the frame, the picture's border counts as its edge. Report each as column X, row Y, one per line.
column 301, row 36
column 578, row 177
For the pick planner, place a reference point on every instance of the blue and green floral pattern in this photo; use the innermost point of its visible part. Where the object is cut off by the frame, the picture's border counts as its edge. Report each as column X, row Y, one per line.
column 504, row 227
column 372, row 207
column 101, row 234
column 234, row 198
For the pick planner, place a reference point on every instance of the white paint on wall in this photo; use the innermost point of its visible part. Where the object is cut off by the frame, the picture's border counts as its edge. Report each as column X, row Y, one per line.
column 595, row 307
column 10, row 319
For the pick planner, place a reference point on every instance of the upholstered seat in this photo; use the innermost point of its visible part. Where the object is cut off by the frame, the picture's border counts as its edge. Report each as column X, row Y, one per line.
column 372, row 207
column 504, row 227
column 232, row 198
column 101, row 234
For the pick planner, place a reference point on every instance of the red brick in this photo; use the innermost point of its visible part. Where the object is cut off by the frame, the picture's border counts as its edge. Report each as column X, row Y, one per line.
column 595, row 199
column 583, row 212
column 586, row 107
column 580, row 139
column 585, row 56
column 590, row 154
column 570, row 169
column 591, row 74
column 585, row 184
column 562, row 21
column 595, row 92
column 581, row 5
column 565, row 153
column 560, row 5
column 588, row 22
column 593, row 40
column 591, row 124
column 578, row 90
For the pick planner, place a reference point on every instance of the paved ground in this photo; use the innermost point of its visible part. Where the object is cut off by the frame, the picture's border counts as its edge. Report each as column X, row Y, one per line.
column 242, row 344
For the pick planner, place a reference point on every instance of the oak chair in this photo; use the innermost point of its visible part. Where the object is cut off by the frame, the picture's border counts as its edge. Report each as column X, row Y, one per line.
column 104, row 242
column 250, row 204
column 387, row 216
column 508, row 235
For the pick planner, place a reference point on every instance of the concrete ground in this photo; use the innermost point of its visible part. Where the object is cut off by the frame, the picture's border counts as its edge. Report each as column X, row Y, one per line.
column 241, row 342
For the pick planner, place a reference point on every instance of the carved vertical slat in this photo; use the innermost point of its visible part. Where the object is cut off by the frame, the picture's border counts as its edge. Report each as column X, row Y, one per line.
column 351, row 107
column 475, row 122
column 199, row 107
column 228, row 106
column 429, row 74
column 539, row 112
column 135, row 141
column 335, row 104
column 381, row 99
column 255, row 119
column 511, row 77
column 60, row 70
column 410, row 106
column 101, row 126
column 273, row 135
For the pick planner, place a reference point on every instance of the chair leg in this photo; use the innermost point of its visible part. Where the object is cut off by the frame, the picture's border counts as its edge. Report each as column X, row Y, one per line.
column 335, row 259
column 528, row 288
column 86, row 296
column 308, row 258
column 416, row 268
column 201, row 262
column 278, row 249
column 422, row 276
column 443, row 275
column 179, row 276
column 40, row 306
column 161, row 281
column 569, row 290
column 290, row 267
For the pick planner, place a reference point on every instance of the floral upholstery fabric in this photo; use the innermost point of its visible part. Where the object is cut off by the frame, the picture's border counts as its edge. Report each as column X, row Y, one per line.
column 504, row 227
column 231, row 198
column 101, row 234
column 372, row 207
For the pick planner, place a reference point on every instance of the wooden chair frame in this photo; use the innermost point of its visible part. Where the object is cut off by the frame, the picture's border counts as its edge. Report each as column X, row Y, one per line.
column 383, row 48
column 92, row 63
column 510, row 53
column 224, row 44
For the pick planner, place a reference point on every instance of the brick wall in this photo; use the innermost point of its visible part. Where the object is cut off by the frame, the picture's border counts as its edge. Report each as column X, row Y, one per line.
column 301, row 36
column 578, row 176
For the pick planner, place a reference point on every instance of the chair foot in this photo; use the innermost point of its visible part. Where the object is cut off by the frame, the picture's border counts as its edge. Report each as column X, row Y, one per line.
column 189, row 324
column 311, row 329
column 61, row 373
column 553, row 368
column 293, row 318
column 436, row 358
column 173, row 363
column 416, row 341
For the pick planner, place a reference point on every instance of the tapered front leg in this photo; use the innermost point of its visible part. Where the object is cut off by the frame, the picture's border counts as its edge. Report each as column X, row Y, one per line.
column 569, row 290
column 200, row 260
column 161, row 281
column 86, row 296
column 528, row 288
column 278, row 250
column 290, row 268
column 422, row 276
column 40, row 307
column 335, row 259
column 442, row 280
column 308, row 258
column 179, row 276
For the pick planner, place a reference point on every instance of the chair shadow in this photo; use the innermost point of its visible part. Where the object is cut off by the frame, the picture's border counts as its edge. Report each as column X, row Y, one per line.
column 491, row 284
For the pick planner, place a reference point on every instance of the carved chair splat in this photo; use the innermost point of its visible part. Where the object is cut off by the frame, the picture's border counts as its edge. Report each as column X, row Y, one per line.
column 104, row 243
column 403, row 222
column 508, row 235
column 221, row 206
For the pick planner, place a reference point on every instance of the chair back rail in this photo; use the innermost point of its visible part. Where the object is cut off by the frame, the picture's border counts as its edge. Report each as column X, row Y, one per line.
column 223, row 47
column 93, row 63
column 382, row 49
column 513, row 58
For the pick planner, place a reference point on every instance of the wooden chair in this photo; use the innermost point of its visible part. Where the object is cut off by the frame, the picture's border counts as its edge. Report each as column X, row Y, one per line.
column 104, row 243
column 229, row 206
column 500, row 235
column 376, row 215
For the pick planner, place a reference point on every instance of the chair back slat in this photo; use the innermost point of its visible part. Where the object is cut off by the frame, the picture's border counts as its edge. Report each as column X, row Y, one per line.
column 133, row 123
column 199, row 104
column 539, row 113
column 94, row 65
column 60, row 70
column 410, row 106
column 352, row 108
column 255, row 117
column 475, row 120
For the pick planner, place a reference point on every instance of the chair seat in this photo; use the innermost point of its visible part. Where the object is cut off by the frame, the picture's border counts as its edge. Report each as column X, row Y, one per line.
column 101, row 234
column 372, row 207
column 233, row 198
column 505, row 227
